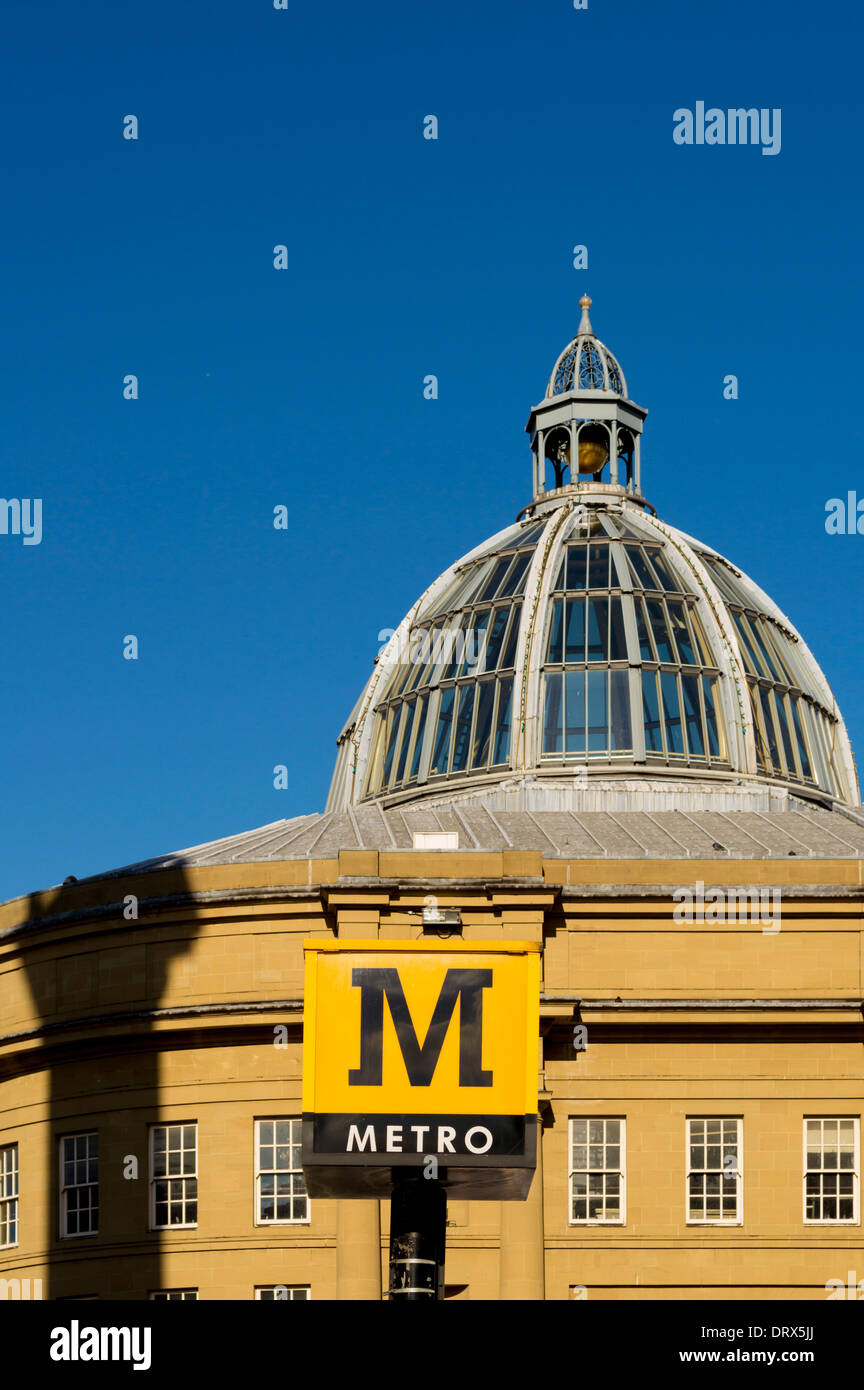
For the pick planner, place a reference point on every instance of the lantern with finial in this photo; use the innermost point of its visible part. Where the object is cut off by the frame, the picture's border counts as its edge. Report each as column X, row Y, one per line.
column 586, row 416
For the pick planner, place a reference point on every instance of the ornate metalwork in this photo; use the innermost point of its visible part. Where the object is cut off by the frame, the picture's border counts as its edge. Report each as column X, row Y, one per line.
column 592, row 377
column 564, row 372
column 587, row 365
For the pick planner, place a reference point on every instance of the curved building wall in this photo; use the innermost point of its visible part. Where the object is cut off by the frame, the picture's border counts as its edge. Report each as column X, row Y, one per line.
column 113, row 1026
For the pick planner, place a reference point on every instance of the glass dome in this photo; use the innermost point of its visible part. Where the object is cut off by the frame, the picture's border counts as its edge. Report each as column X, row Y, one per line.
column 592, row 639
column 592, row 649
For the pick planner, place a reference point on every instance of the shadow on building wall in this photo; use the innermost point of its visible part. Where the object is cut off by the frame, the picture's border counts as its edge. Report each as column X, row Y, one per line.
column 99, row 981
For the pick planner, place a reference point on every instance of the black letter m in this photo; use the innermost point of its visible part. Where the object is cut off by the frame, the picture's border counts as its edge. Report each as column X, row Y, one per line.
column 467, row 986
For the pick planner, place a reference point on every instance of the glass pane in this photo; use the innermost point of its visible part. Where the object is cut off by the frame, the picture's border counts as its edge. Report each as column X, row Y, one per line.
column 722, row 577
column 645, row 648
column 442, row 732
column 768, row 657
column 598, row 713
column 441, row 648
column 671, row 712
column 575, row 647
column 575, row 698
column 577, row 559
column 554, row 653
column 419, row 643
column 475, row 643
column 662, row 636
column 493, row 583
column 406, row 741
column 693, row 716
column 780, row 711
column 598, row 565
column 751, row 661
column 422, row 706
column 516, row 578
column 501, row 752
column 455, row 647
column 662, row 569
column 398, row 679
column 705, row 654
column 768, row 727
column 681, row 632
column 800, row 740
column 651, row 713
column 509, row 658
column 710, row 716
column 373, row 782
column 619, row 703
column 465, row 712
column 617, row 637
column 779, row 648
column 485, row 703
column 463, row 587
column 552, row 714
column 530, row 535
column 642, row 574
column 598, row 630
column 495, row 641
column 395, row 724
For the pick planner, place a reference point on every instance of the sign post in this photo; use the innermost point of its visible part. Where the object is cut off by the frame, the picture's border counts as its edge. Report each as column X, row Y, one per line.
column 420, row 1078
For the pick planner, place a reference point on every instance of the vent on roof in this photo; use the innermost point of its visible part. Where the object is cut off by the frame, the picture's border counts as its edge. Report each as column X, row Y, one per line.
column 435, row 839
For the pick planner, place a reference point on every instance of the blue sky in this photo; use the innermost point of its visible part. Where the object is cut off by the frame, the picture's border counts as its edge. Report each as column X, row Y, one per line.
column 303, row 387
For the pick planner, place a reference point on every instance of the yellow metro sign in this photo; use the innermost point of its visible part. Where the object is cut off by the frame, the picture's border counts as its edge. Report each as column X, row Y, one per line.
column 416, row 1050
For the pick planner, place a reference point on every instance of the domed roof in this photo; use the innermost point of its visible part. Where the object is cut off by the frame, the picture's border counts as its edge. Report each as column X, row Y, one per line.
column 586, row 364
column 593, row 657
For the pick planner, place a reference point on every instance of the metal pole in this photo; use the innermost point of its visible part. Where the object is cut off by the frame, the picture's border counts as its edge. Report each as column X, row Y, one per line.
column 418, row 1235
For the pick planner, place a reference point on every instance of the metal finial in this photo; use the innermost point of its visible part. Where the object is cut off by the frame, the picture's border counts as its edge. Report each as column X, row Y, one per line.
column 585, row 322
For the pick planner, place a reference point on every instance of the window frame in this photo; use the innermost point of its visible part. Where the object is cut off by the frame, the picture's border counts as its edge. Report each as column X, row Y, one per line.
column 622, row 1172
column 856, row 1174
column 291, row 1289
column 62, row 1139
column 258, row 1220
column 175, row 1225
column 14, row 1199
column 738, row 1219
